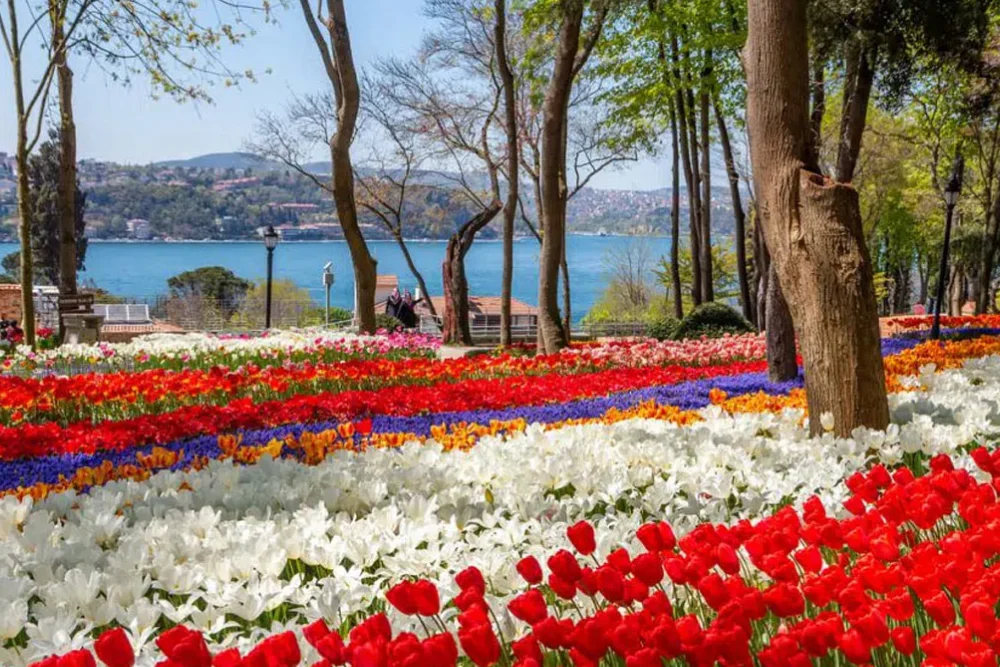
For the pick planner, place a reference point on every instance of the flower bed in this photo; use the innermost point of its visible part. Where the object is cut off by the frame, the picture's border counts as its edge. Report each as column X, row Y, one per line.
column 185, row 351
column 408, row 485
column 243, row 553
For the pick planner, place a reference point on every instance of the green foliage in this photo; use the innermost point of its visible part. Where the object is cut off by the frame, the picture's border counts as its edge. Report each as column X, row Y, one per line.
column 216, row 284
column 387, row 322
column 724, row 274
column 291, row 306
column 662, row 327
column 338, row 314
column 712, row 320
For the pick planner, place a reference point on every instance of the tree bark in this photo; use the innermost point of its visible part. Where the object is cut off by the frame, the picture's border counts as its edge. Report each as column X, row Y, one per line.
column 67, row 165
column 567, row 305
column 675, row 218
column 694, row 200
column 818, row 109
column 781, row 360
column 707, row 287
column 689, row 179
column 456, row 329
column 741, row 232
column 553, row 176
column 348, row 97
column 812, row 227
column 854, row 114
column 513, row 154
column 25, row 202
column 990, row 241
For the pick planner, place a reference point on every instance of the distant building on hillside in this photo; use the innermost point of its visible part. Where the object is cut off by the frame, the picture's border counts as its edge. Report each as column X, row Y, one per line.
column 139, row 229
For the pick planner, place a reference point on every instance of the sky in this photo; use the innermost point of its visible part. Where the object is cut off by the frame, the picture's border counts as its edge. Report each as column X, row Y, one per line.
column 127, row 125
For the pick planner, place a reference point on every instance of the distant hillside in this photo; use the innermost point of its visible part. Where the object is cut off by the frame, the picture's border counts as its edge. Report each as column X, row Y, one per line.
column 222, row 161
column 230, row 195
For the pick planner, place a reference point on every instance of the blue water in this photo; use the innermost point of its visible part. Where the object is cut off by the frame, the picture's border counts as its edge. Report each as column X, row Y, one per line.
column 140, row 270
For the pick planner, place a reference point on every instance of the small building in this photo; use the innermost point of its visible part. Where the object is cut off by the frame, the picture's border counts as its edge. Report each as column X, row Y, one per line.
column 484, row 316
column 139, row 229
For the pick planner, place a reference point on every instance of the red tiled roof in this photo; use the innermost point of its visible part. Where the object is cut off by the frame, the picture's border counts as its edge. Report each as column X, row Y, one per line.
column 487, row 305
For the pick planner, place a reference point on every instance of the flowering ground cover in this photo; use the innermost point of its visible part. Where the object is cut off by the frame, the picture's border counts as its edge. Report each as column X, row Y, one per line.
column 624, row 505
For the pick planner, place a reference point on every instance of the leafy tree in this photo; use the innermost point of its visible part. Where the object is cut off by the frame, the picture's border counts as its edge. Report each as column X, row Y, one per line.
column 218, row 285
column 291, row 306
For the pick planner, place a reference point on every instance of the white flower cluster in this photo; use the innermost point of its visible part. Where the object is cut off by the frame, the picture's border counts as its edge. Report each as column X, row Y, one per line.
column 277, row 544
column 192, row 346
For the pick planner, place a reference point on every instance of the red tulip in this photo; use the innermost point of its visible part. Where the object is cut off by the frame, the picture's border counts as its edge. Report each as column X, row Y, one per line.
column 581, row 535
column 114, row 648
column 530, row 570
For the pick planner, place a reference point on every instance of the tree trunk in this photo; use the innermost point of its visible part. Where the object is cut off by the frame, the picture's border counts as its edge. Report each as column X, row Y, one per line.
column 513, row 154
column 25, row 202
column 456, row 329
column 818, row 109
column 781, row 361
column 760, row 268
column 689, row 179
column 553, row 176
column 990, row 241
column 812, row 227
column 567, row 306
column 419, row 277
column 741, row 232
column 694, row 200
column 348, row 97
column 67, row 167
column 857, row 92
column 675, row 218
column 707, row 287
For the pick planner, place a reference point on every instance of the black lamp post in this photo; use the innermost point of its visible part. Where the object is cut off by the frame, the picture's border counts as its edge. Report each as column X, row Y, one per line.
column 271, row 239
column 951, row 193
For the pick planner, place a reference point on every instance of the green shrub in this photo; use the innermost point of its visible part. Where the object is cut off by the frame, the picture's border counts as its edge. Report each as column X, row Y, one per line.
column 662, row 328
column 338, row 314
column 387, row 322
column 712, row 320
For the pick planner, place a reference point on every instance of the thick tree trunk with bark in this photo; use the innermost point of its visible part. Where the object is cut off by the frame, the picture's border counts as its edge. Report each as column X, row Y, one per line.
column 553, row 177
column 707, row 287
column 513, row 152
column 67, row 167
column 348, row 97
column 813, row 228
column 781, row 360
column 456, row 288
column 741, row 230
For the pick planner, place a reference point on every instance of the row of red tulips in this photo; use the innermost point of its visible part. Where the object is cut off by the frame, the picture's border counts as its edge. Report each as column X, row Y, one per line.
column 28, row 440
column 911, row 576
column 102, row 396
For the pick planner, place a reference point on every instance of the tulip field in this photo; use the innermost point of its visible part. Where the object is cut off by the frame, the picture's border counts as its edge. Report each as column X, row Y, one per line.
column 317, row 499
